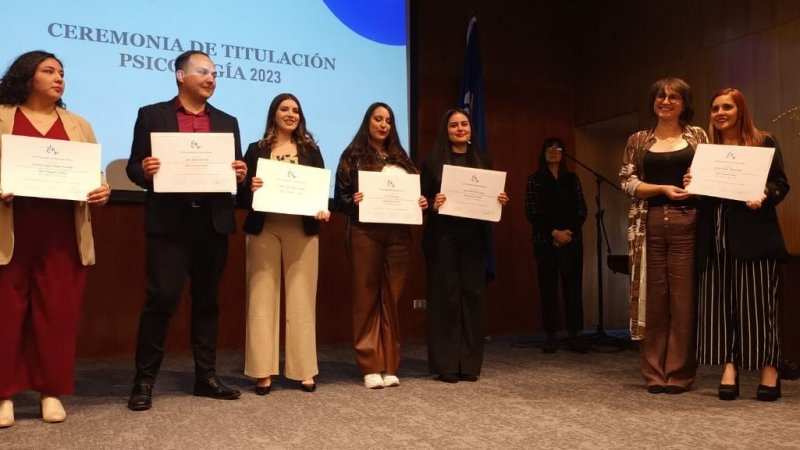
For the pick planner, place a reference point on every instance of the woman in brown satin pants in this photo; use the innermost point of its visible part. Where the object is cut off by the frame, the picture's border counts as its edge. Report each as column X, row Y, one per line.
column 379, row 252
column 661, row 238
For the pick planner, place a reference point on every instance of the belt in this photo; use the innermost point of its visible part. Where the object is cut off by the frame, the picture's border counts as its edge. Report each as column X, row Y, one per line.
column 198, row 203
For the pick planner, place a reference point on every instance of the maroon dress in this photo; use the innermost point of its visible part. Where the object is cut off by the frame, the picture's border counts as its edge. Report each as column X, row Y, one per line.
column 41, row 290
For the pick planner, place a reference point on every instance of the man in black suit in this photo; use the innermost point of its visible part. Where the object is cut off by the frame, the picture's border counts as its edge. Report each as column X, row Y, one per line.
column 185, row 233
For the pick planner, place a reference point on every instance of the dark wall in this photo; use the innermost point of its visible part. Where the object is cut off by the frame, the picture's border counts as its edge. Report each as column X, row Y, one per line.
column 528, row 89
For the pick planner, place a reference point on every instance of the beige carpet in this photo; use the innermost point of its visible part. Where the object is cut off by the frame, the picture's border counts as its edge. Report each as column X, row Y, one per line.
column 525, row 399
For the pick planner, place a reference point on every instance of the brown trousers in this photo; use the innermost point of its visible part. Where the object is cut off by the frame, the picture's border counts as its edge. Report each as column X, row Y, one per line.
column 379, row 255
column 668, row 350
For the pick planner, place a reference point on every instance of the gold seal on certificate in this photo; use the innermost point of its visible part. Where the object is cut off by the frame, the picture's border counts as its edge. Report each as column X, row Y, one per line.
column 291, row 188
column 194, row 162
column 472, row 193
column 49, row 168
column 389, row 197
column 730, row 171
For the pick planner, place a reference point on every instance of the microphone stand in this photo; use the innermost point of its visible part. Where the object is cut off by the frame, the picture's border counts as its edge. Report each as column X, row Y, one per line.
column 600, row 341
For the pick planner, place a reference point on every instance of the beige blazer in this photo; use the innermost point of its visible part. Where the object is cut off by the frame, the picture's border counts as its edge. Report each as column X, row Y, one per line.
column 78, row 129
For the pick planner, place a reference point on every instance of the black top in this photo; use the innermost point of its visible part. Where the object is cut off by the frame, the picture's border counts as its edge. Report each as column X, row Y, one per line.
column 752, row 234
column 431, row 179
column 347, row 175
column 554, row 204
column 668, row 168
column 308, row 155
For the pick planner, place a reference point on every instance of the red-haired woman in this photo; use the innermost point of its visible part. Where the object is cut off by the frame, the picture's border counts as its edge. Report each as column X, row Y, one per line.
column 739, row 246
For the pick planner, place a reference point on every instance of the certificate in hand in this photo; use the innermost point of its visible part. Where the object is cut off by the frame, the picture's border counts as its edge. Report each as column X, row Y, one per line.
column 730, row 171
column 49, row 168
column 194, row 162
column 472, row 193
column 291, row 188
column 389, row 197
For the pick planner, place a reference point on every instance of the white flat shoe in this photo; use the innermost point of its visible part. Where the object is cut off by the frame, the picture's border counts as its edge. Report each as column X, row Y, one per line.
column 53, row 410
column 391, row 381
column 373, row 381
column 6, row 413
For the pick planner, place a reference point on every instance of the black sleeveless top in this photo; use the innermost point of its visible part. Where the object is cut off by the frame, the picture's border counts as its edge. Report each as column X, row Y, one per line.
column 668, row 168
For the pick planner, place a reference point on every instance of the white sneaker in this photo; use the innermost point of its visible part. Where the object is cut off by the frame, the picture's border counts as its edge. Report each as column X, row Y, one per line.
column 373, row 381
column 52, row 410
column 390, row 381
column 6, row 413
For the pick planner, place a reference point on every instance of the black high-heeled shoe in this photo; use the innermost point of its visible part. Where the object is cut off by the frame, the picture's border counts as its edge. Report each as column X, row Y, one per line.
column 263, row 390
column 769, row 393
column 729, row 391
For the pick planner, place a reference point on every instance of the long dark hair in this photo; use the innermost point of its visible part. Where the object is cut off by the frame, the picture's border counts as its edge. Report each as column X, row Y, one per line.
column 682, row 88
column 17, row 82
column 562, row 165
column 442, row 151
column 748, row 133
column 362, row 155
column 300, row 136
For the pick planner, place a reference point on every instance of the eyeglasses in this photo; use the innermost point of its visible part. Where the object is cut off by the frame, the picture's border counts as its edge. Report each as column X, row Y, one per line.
column 554, row 149
column 201, row 71
column 673, row 98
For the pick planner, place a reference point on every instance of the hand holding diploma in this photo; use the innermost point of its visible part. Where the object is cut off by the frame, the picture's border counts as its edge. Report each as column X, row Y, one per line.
column 502, row 198
column 99, row 196
column 733, row 172
column 257, row 183
column 389, row 198
column 151, row 164
column 52, row 169
column 752, row 204
column 472, row 193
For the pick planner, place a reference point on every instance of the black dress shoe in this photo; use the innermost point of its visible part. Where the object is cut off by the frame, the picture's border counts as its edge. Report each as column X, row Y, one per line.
column 672, row 389
column 214, row 388
column 141, row 398
column 262, row 390
column 655, row 389
column 729, row 391
column 769, row 393
column 308, row 387
column 448, row 378
column 550, row 347
column 467, row 377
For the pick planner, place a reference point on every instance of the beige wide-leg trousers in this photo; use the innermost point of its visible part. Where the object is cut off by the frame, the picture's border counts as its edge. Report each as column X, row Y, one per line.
column 281, row 239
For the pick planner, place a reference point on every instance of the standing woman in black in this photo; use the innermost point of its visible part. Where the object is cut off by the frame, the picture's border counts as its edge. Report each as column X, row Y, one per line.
column 739, row 246
column 455, row 253
column 556, row 209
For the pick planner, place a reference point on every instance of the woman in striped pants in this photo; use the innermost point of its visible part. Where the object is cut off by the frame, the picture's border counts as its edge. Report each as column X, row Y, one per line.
column 739, row 245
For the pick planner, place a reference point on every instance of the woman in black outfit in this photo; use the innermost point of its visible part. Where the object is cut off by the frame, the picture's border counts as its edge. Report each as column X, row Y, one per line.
column 455, row 253
column 556, row 209
column 739, row 245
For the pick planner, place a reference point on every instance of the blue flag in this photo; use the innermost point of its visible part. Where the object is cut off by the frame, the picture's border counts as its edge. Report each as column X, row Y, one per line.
column 471, row 99
column 471, row 92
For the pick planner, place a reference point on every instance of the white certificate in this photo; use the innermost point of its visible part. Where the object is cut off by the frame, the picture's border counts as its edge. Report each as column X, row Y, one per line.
column 389, row 197
column 49, row 168
column 194, row 162
column 291, row 188
column 730, row 171
column 472, row 193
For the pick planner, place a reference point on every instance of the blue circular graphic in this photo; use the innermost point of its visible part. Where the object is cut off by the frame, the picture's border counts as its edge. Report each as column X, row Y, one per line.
column 382, row 21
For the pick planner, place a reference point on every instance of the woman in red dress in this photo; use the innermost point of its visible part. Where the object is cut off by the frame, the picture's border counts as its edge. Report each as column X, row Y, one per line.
column 44, row 247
